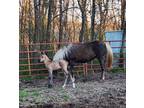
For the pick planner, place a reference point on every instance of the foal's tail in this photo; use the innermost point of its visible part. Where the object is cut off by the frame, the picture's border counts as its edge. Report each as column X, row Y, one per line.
column 109, row 55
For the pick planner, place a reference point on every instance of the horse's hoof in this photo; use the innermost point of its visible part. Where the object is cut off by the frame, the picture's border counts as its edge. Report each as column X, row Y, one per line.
column 101, row 81
column 85, row 80
column 63, row 87
column 103, row 78
column 74, row 86
column 50, row 86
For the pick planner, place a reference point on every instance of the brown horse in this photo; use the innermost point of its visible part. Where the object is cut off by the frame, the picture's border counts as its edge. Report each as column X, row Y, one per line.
column 84, row 52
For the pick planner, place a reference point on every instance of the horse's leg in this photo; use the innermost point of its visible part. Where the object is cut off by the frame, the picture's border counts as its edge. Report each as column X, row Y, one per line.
column 102, row 61
column 64, row 66
column 67, row 73
column 73, row 80
column 65, row 82
column 50, row 79
column 72, row 76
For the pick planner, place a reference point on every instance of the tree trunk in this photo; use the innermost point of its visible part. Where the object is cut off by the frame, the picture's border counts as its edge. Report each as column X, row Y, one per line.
column 37, row 21
column 82, row 5
column 49, row 20
column 93, row 19
column 44, row 10
column 103, row 9
column 73, row 24
column 100, row 25
column 37, row 30
column 83, row 28
column 60, row 23
column 30, row 28
column 123, row 28
column 66, row 4
column 54, row 13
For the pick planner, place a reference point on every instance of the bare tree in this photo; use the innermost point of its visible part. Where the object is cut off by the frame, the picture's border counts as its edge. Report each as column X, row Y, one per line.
column 37, row 21
column 93, row 19
column 82, row 6
column 54, row 13
column 60, row 21
column 73, row 22
column 30, row 26
column 103, row 11
column 123, row 27
column 48, row 35
column 45, row 18
column 66, row 4
column 44, row 11
column 21, row 13
column 37, row 29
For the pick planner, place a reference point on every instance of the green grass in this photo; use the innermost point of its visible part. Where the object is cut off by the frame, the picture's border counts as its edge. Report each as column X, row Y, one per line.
column 118, row 69
column 63, row 94
column 23, row 68
column 23, row 94
column 39, row 77
column 65, row 97
column 38, row 96
column 35, row 93
column 27, row 78
column 30, row 78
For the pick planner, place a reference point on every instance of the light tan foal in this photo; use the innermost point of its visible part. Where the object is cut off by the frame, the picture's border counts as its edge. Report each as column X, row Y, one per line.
column 51, row 66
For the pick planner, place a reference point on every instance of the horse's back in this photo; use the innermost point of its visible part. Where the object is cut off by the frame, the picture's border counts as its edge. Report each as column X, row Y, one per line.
column 83, row 52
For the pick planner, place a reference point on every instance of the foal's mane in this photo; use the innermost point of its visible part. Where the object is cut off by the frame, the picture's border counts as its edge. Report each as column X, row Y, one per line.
column 50, row 59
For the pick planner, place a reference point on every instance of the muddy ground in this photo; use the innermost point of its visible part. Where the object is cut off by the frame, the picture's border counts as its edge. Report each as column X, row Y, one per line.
column 90, row 93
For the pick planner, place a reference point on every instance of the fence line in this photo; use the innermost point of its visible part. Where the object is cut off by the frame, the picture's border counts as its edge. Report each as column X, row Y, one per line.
column 49, row 43
column 27, row 67
column 44, row 50
column 52, row 50
column 43, row 63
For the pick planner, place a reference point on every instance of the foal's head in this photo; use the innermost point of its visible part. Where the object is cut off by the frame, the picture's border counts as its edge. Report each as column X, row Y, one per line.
column 44, row 58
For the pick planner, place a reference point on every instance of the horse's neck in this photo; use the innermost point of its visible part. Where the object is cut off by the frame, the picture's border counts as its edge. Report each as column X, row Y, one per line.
column 47, row 62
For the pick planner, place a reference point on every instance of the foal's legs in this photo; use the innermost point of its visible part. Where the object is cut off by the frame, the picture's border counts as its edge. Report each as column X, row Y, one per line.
column 50, row 78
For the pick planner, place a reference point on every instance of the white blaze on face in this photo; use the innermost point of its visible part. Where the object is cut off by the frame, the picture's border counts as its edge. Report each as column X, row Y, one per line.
column 41, row 58
column 61, row 53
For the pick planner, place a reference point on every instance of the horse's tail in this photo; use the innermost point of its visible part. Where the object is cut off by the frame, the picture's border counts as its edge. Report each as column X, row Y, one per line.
column 109, row 55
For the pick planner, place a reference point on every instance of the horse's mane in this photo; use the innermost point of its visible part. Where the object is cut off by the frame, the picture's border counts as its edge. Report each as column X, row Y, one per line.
column 50, row 58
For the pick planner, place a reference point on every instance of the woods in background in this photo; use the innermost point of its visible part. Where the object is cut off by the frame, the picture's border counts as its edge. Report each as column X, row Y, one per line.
column 44, row 21
column 70, row 20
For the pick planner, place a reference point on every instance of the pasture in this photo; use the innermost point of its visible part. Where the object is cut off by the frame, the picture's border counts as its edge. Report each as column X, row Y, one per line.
column 90, row 93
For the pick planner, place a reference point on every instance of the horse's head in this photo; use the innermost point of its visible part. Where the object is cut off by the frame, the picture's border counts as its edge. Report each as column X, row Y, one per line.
column 44, row 57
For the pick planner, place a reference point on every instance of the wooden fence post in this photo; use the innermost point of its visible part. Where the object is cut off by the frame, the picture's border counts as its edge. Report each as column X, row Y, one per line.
column 29, row 67
column 85, row 69
column 27, row 44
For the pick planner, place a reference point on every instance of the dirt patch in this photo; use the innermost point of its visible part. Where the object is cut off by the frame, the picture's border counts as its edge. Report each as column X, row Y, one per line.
column 88, row 94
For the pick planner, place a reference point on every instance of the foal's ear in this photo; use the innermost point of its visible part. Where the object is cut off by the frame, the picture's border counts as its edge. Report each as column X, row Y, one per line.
column 43, row 52
column 39, row 52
